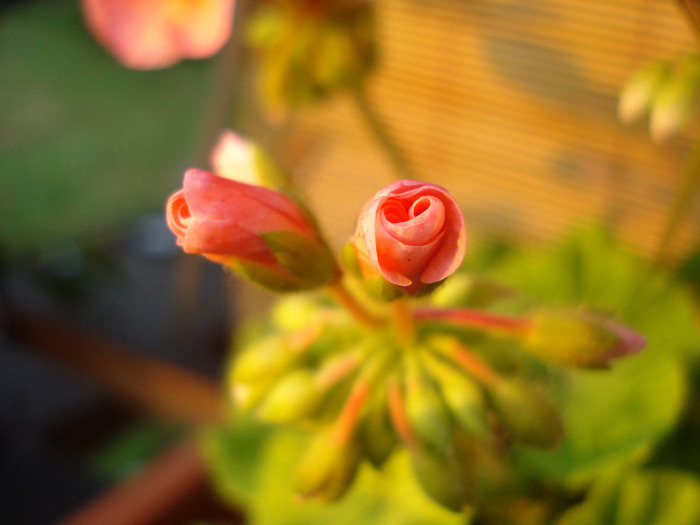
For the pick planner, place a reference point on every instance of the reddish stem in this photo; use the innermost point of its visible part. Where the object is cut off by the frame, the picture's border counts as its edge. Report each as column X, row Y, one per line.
column 475, row 319
column 397, row 412
column 475, row 366
column 347, row 421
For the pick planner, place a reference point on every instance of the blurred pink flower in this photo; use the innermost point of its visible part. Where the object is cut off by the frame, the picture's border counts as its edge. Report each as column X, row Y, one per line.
column 151, row 34
column 412, row 233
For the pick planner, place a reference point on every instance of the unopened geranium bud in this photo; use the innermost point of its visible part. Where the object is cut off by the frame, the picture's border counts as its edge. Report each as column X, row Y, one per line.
column 676, row 101
column 292, row 398
column 640, row 90
column 425, row 408
column 265, row 358
column 526, row 412
column 463, row 396
column 411, row 234
column 578, row 338
column 328, row 466
column 263, row 234
column 444, row 479
column 238, row 159
column 375, row 432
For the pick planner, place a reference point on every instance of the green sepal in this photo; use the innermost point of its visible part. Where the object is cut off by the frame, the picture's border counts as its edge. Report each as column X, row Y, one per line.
column 308, row 260
column 269, row 278
column 382, row 290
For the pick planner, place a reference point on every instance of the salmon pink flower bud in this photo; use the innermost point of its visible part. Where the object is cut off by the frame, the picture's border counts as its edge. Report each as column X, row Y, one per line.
column 258, row 231
column 150, row 34
column 412, row 233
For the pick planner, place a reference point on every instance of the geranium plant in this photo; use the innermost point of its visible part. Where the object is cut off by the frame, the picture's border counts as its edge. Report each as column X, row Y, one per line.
column 412, row 378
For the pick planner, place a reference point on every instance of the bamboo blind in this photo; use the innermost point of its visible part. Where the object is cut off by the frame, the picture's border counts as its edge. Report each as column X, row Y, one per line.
column 512, row 106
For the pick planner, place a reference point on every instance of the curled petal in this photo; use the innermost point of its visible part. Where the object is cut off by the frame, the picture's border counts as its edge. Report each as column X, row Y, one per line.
column 412, row 232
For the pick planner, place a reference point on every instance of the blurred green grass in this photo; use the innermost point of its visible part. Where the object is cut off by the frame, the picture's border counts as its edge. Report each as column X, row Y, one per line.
column 85, row 144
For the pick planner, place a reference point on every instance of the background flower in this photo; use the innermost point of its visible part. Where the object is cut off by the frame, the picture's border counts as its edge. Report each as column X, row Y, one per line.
column 150, row 34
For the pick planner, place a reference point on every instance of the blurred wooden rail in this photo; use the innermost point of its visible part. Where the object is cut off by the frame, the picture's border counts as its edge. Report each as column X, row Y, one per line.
column 152, row 385
column 174, row 489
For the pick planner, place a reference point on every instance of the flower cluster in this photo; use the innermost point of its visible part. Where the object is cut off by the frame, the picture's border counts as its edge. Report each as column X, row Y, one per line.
column 380, row 361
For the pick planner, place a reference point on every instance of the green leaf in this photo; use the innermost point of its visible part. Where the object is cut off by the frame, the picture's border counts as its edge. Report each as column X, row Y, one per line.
column 653, row 497
column 233, row 455
column 259, row 469
column 86, row 145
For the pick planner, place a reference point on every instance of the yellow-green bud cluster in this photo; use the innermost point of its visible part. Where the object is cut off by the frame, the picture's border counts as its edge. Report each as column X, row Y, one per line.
column 362, row 394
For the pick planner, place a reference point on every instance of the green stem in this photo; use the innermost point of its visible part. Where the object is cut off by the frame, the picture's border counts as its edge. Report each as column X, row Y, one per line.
column 359, row 312
column 685, row 195
column 474, row 365
column 403, row 321
column 381, row 133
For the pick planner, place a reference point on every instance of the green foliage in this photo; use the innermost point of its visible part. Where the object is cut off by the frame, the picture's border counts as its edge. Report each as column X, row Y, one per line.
column 645, row 497
column 85, row 144
column 135, row 447
column 254, row 466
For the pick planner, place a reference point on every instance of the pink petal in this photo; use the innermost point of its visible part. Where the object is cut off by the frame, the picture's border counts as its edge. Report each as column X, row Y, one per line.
column 253, row 208
column 148, row 34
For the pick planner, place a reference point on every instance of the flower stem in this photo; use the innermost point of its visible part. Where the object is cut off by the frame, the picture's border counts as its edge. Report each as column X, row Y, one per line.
column 397, row 413
column 478, row 319
column 350, row 414
column 473, row 365
column 359, row 312
column 381, row 133
column 681, row 205
column 404, row 323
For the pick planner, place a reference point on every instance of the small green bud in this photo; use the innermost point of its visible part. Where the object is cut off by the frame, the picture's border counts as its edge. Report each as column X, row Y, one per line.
column 640, row 90
column 676, row 100
column 526, row 413
column 236, row 158
column 425, row 409
column 462, row 395
column 327, row 467
column 578, row 338
column 295, row 312
column 446, row 480
column 376, row 433
column 292, row 398
column 266, row 358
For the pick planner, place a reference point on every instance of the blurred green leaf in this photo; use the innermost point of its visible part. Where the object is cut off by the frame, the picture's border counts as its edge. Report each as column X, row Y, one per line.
column 234, row 455
column 85, row 144
column 653, row 497
column 257, row 467
column 133, row 448
column 615, row 416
